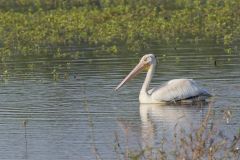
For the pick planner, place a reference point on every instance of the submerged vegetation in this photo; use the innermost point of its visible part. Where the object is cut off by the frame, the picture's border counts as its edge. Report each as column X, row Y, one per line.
column 43, row 26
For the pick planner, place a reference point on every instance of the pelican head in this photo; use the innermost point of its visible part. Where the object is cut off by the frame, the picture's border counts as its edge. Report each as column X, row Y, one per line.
column 145, row 62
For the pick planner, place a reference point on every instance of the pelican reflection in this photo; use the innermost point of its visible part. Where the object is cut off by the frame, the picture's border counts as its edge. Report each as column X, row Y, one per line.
column 161, row 121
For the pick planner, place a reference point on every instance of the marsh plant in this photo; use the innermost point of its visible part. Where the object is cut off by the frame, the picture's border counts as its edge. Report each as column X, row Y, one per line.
column 205, row 141
column 39, row 26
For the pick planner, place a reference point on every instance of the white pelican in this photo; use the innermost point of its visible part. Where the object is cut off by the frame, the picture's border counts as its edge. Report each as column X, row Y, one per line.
column 172, row 91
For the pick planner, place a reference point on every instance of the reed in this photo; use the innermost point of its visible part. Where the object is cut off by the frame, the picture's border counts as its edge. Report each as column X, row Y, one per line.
column 205, row 141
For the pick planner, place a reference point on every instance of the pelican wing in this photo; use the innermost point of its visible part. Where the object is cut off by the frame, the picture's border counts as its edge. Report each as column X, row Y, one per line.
column 177, row 89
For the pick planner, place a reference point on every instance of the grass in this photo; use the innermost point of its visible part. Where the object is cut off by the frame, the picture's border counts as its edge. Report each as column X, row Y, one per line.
column 205, row 141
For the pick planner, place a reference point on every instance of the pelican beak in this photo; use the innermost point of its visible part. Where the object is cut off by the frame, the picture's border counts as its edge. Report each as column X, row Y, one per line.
column 139, row 67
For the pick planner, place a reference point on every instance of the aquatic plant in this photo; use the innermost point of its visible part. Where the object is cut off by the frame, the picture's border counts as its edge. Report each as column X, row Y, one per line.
column 205, row 141
column 39, row 27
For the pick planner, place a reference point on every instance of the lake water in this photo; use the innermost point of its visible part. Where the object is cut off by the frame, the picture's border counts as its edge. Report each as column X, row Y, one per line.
column 68, row 109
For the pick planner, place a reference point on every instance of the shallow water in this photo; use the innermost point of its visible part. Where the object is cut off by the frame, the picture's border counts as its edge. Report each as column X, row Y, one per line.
column 67, row 109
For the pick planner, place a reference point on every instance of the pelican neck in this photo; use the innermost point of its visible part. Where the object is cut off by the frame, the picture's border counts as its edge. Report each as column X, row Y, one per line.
column 148, row 78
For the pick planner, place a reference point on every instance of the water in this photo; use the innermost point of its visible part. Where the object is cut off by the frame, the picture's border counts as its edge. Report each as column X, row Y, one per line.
column 67, row 109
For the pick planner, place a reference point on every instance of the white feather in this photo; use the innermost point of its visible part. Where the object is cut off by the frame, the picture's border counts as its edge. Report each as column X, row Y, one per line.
column 177, row 89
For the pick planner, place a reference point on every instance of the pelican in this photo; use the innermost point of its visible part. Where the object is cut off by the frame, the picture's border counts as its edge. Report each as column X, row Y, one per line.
column 171, row 91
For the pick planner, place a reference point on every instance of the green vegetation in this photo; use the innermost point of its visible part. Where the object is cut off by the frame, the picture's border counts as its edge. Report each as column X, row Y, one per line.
column 33, row 27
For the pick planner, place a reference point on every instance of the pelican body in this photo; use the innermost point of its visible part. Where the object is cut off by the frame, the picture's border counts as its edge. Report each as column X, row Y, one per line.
column 171, row 91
